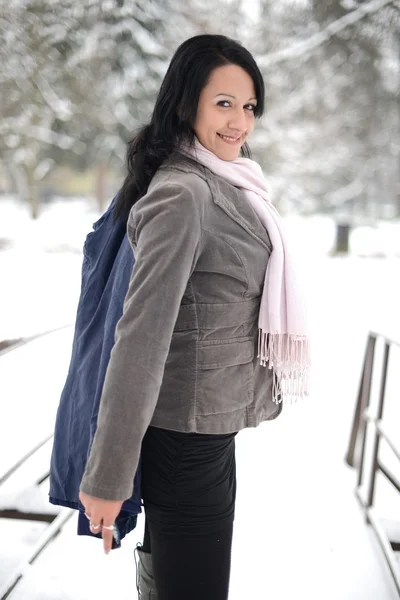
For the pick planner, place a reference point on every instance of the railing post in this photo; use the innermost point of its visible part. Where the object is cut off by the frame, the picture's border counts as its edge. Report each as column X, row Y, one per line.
column 362, row 418
column 362, row 403
column 375, row 451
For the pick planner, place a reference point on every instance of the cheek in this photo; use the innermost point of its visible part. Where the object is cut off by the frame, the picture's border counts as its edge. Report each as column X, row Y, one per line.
column 214, row 121
column 205, row 122
column 250, row 124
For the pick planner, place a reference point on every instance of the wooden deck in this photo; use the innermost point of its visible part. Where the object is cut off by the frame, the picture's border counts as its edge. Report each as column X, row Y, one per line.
column 299, row 530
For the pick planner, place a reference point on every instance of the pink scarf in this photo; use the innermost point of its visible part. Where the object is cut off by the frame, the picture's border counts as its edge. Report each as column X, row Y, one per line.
column 283, row 342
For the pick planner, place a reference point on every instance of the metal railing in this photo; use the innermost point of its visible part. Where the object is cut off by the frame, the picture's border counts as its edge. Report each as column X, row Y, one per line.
column 55, row 520
column 357, row 450
column 10, row 345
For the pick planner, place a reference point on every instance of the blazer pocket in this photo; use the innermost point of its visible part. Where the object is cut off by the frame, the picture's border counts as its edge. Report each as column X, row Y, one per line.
column 225, row 376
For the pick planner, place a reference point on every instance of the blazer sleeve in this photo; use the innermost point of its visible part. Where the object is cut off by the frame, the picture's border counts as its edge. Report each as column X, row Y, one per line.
column 164, row 228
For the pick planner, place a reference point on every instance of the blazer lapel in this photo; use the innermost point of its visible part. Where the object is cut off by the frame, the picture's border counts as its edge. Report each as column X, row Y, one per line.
column 233, row 201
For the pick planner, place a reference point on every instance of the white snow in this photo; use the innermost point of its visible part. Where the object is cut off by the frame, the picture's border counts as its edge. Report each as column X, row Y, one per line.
column 40, row 264
column 299, row 531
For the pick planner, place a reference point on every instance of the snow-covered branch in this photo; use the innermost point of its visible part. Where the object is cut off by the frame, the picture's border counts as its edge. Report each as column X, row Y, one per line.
column 61, row 140
column 344, row 194
column 323, row 36
column 60, row 107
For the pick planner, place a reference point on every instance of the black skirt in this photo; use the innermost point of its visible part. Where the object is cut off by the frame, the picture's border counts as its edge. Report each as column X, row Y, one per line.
column 188, row 481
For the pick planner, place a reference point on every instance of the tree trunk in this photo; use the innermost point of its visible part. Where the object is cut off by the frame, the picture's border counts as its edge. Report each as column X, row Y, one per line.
column 33, row 191
column 101, row 185
column 342, row 239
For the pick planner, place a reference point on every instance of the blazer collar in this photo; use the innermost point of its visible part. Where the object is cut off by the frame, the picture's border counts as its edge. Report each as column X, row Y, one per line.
column 229, row 198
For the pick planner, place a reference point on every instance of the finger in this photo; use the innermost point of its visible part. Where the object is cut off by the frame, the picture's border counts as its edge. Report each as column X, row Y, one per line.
column 107, row 532
column 95, row 521
column 95, row 527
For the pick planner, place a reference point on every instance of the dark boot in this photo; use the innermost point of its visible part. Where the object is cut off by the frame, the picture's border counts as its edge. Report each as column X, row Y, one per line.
column 145, row 583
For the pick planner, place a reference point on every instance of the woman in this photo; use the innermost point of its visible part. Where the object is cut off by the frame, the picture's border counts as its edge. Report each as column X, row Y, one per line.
column 212, row 289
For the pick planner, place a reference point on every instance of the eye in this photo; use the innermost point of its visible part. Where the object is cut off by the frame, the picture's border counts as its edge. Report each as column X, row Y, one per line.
column 224, row 103
column 251, row 107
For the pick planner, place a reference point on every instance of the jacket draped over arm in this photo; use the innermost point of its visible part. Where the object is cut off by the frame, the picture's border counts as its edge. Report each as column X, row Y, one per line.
column 164, row 228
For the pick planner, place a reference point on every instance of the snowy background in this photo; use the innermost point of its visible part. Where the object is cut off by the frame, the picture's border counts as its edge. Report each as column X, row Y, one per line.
column 317, row 544
column 76, row 80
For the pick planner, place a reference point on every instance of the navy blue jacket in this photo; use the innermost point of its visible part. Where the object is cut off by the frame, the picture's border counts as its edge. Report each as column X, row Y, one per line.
column 106, row 270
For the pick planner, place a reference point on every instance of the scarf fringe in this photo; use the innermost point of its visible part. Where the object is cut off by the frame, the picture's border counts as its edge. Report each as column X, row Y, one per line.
column 289, row 356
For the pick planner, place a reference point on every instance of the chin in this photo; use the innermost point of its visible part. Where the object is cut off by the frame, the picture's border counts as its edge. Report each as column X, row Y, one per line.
column 227, row 153
column 228, row 156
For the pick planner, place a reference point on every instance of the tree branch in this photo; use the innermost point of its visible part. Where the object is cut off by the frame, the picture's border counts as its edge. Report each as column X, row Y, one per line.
column 323, row 36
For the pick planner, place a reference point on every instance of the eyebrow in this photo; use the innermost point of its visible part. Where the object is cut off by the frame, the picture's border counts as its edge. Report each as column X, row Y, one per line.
column 234, row 97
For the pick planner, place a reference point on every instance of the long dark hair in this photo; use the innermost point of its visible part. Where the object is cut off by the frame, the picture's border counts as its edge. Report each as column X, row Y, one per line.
column 188, row 73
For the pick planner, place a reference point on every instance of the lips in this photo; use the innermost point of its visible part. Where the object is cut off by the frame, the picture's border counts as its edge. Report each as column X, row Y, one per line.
column 230, row 139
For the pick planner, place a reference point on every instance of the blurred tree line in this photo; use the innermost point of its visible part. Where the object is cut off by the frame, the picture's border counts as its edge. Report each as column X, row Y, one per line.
column 77, row 80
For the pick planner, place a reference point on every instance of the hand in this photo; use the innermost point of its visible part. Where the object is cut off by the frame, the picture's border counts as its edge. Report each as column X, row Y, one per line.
column 102, row 514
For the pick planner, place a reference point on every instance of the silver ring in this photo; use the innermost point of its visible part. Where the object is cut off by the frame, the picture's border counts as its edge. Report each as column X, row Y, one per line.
column 109, row 527
column 94, row 526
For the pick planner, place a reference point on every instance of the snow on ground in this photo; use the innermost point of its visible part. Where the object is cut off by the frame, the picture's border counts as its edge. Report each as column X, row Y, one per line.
column 40, row 264
column 299, row 531
column 40, row 260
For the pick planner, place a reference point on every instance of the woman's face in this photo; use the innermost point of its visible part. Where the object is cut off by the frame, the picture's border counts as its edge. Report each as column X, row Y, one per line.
column 225, row 114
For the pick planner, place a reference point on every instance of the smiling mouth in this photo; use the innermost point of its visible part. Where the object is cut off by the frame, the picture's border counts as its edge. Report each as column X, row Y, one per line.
column 229, row 139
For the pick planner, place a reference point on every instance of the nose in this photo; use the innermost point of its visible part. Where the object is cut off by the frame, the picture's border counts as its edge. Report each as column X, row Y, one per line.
column 238, row 121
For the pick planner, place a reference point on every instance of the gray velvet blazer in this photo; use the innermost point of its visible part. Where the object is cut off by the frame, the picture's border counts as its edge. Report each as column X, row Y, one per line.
column 185, row 353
